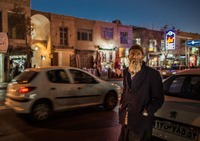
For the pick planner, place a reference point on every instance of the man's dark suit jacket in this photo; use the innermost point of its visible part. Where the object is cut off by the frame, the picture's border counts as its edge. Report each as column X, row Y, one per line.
column 144, row 90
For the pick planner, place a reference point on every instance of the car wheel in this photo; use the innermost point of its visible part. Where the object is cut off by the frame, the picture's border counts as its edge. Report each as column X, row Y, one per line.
column 41, row 111
column 110, row 101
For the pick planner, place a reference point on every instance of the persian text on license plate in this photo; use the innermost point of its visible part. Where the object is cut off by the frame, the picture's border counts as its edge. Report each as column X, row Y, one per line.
column 177, row 129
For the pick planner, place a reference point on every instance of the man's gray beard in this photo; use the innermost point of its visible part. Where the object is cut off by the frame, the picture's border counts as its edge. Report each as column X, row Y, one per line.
column 135, row 66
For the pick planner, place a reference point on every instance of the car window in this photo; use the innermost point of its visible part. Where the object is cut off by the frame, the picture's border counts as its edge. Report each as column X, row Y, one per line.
column 176, row 85
column 183, row 86
column 57, row 76
column 25, row 77
column 81, row 77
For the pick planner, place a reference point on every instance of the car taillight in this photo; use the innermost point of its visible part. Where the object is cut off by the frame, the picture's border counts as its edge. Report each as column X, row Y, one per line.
column 26, row 89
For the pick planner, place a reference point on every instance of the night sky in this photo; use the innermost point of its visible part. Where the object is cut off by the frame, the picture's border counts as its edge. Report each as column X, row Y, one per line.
column 153, row 14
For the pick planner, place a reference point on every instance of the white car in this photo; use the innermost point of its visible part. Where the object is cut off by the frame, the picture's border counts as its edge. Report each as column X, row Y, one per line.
column 179, row 117
column 40, row 91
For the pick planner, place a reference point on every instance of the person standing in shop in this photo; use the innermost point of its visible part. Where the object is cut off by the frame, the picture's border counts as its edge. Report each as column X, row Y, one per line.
column 142, row 96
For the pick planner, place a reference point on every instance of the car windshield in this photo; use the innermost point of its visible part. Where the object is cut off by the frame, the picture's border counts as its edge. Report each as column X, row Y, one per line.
column 25, row 77
column 185, row 86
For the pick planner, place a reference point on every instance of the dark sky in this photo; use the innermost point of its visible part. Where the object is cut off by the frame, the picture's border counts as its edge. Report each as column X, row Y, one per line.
column 153, row 14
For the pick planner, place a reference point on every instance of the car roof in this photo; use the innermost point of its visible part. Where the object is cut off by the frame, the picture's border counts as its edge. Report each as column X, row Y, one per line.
column 195, row 71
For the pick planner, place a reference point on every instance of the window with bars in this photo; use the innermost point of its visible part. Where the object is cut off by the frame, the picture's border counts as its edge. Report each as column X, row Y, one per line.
column 63, row 36
column 84, row 34
column 107, row 33
column 123, row 37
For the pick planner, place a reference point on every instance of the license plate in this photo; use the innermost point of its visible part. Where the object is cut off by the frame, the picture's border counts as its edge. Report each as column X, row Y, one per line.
column 177, row 129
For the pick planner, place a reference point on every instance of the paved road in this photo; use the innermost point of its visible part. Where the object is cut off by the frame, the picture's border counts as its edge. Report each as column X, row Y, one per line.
column 90, row 124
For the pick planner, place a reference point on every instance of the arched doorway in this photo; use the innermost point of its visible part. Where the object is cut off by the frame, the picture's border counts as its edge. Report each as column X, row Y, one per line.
column 41, row 41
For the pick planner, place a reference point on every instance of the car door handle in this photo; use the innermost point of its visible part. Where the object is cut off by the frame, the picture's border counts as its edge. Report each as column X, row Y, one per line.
column 79, row 88
column 53, row 88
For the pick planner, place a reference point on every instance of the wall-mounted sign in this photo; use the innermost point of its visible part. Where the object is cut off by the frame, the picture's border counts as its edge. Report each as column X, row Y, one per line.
column 3, row 42
column 193, row 43
column 170, row 39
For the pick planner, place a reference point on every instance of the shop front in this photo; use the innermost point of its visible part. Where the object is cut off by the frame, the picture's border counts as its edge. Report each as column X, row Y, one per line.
column 106, row 61
column 3, row 52
column 2, row 67
column 153, row 60
column 114, row 61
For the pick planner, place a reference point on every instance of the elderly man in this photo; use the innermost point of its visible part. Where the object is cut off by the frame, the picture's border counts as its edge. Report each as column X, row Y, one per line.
column 142, row 96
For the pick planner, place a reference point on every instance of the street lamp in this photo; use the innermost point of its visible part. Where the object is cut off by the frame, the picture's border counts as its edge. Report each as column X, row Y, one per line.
column 43, row 57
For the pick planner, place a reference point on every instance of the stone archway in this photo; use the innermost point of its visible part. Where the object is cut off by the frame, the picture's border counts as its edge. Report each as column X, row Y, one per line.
column 41, row 40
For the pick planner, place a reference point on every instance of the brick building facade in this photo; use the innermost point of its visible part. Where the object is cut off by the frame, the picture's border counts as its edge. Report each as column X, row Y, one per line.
column 71, row 41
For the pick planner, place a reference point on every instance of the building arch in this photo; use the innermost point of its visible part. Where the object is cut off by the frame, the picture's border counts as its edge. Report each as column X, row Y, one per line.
column 40, row 40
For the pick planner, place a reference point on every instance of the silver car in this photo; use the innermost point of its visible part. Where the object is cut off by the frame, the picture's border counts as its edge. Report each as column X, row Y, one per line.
column 40, row 91
column 179, row 117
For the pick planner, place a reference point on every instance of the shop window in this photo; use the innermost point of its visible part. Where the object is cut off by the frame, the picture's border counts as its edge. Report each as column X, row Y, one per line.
column 152, row 45
column 16, row 26
column 84, row 34
column 63, row 36
column 107, row 33
column 123, row 37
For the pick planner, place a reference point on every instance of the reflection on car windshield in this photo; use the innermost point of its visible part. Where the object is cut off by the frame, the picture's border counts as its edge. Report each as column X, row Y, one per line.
column 183, row 86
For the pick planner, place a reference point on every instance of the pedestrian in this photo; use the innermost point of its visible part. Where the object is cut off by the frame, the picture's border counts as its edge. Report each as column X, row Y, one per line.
column 16, row 70
column 142, row 96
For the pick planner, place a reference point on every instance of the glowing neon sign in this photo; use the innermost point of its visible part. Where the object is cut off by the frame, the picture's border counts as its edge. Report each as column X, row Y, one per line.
column 170, row 38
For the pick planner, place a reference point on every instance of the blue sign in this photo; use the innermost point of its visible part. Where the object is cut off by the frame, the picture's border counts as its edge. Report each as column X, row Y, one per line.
column 193, row 43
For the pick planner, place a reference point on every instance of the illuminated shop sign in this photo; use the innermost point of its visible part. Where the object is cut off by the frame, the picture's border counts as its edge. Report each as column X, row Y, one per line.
column 193, row 43
column 170, row 38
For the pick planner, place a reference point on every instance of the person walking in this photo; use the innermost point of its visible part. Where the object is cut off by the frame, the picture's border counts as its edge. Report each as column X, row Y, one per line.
column 142, row 96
